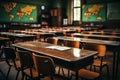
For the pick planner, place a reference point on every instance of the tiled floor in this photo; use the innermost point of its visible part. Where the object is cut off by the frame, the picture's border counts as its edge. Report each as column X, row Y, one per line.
column 4, row 68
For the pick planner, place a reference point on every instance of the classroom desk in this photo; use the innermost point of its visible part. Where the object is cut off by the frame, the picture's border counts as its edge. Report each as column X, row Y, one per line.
column 14, row 36
column 101, row 37
column 102, row 33
column 70, row 58
column 3, row 41
column 114, row 44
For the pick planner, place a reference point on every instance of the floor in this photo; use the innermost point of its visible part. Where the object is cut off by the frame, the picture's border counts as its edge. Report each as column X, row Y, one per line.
column 4, row 68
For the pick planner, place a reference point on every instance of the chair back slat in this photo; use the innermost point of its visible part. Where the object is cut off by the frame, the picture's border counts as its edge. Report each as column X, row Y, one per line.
column 26, row 59
column 96, row 47
column 75, row 44
column 44, row 65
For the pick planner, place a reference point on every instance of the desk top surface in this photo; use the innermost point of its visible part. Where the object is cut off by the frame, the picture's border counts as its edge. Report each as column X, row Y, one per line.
column 92, row 35
column 61, row 52
column 96, row 41
column 16, row 34
column 3, row 39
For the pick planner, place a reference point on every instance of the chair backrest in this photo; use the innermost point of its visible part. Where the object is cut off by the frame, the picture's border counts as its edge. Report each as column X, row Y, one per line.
column 101, row 49
column 44, row 65
column 26, row 59
column 9, row 53
column 75, row 44
column 52, row 41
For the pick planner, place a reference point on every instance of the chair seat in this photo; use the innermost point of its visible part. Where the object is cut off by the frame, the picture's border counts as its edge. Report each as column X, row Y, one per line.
column 17, row 62
column 98, row 63
column 27, row 72
column 86, row 74
column 55, row 78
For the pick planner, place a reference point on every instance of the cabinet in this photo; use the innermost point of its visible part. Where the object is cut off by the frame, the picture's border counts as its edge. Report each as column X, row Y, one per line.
column 56, row 17
column 44, row 16
column 45, row 19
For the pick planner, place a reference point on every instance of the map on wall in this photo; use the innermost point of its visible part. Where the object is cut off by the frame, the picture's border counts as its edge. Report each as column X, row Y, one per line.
column 15, row 12
column 113, row 11
column 93, row 13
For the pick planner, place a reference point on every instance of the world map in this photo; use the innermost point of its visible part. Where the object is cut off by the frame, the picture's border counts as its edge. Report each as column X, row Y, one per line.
column 93, row 12
column 19, row 11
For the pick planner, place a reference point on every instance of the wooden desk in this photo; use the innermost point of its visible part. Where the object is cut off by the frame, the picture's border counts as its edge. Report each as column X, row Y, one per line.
column 102, row 33
column 3, row 41
column 101, row 37
column 14, row 36
column 72, row 58
column 39, row 35
column 115, row 46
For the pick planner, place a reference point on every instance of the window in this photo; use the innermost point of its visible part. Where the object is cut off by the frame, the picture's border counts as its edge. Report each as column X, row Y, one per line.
column 77, row 10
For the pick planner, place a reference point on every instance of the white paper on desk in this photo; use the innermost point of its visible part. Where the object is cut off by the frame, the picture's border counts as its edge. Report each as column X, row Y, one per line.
column 60, row 48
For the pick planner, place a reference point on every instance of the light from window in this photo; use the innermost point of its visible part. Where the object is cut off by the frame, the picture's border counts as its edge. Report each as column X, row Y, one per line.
column 76, row 14
column 77, row 3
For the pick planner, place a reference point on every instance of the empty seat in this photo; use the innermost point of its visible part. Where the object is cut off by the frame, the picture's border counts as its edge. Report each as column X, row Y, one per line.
column 27, row 65
column 45, row 66
column 10, row 58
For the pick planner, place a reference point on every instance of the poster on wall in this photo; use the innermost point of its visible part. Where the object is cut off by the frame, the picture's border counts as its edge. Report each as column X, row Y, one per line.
column 93, row 13
column 113, row 11
column 17, row 12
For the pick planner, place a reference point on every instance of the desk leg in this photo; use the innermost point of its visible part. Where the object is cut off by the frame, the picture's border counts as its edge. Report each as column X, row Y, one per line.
column 76, row 77
column 115, row 66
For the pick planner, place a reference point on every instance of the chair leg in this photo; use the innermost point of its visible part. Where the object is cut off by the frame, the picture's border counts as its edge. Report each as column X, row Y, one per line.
column 71, row 77
column 23, row 75
column 90, row 67
column 59, row 70
column 100, row 72
column 3, row 74
column 8, row 72
column 68, row 73
column 62, row 71
column 94, row 68
column 107, row 72
column 17, row 75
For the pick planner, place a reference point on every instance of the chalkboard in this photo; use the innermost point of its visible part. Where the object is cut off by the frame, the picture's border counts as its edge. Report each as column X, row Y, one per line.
column 17, row 12
column 113, row 11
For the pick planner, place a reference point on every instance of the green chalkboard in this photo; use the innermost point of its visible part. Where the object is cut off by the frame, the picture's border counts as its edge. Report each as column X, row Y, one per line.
column 93, row 13
column 113, row 11
column 17, row 12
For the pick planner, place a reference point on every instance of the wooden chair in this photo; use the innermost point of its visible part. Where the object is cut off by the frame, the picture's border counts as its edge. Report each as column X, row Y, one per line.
column 99, row 61
column 86, row 74
column 52, row 41
column 45, row 66
column 10, row 58
column 70, row 43
column 27, row 65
